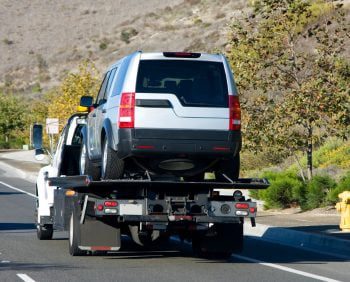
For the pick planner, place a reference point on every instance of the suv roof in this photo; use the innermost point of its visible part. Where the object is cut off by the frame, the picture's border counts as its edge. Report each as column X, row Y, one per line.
column 161, row 56
column 186, row 56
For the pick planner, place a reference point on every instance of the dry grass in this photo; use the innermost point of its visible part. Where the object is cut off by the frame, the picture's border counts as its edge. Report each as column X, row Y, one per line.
column 63, row 33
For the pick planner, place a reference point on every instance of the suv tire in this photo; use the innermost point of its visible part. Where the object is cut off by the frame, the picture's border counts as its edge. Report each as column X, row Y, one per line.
column 229, row 167
column 112, row 167
column 86, row 166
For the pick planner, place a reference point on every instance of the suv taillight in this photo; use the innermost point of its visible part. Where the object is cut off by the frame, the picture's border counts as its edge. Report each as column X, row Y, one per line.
column 235, row 113
column 127, row 110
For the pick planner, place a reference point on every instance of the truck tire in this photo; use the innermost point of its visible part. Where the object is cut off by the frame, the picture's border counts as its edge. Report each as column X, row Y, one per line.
column 112, row 167
column 199, row 251
column 44, row 232
column 229, row 167
column 86, row 166
column 74, row 234
column 219, row 242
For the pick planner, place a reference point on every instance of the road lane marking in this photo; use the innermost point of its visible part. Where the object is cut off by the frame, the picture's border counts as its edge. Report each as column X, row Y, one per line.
column 287, row 269
column 25, row 277
column 17, row 189
column 277, row 266
column 5, row 261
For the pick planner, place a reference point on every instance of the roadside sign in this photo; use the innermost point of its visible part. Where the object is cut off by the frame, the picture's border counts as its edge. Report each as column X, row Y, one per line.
column 52, row 126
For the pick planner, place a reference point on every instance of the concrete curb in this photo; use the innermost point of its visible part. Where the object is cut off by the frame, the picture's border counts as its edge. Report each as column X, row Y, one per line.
column 299, row 239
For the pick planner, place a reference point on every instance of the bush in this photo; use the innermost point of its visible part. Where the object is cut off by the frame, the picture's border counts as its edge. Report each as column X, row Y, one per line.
column 128, row 33
column 284, row 192
column 279, row 194
column 254, row 194
column 103, row 45
column 343, row 185
column 286, row 189
column 317, row 190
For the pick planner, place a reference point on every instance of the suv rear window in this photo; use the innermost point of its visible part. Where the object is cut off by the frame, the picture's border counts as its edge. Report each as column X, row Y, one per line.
column 195, row 83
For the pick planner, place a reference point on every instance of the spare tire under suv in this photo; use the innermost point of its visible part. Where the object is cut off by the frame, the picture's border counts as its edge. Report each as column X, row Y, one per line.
column 170, row 113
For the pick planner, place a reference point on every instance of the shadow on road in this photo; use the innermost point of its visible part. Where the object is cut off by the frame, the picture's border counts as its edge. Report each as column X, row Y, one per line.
column 33, row 266
column 166, row 249
column 9, row 193
column 16, row 226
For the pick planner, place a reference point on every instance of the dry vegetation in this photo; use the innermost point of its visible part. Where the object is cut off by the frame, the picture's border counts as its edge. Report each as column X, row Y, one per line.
column 40, row 42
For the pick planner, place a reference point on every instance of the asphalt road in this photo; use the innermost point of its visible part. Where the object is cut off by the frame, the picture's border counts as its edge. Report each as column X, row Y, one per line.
column 24, row 258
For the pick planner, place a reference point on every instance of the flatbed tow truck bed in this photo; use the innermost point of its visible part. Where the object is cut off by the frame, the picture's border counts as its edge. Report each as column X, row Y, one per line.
column 97, row 212
column 84, row 183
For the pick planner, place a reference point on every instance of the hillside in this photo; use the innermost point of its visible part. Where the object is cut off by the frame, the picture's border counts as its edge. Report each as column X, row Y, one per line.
column 40, row 42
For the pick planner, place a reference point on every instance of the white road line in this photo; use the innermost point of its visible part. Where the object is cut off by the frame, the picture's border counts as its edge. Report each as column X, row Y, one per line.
column 17, row 189
column 287, row 269
column 25, row 277
column 277, row 266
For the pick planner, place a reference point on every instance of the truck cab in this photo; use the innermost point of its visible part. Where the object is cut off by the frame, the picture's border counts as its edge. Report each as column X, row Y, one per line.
column 65, row 162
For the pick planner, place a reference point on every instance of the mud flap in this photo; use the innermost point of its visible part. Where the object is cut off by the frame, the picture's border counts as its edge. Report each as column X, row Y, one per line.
column 96, row 235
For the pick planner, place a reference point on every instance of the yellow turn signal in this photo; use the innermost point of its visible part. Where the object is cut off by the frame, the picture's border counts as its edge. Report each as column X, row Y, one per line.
column 70, row 193
column 82, row 109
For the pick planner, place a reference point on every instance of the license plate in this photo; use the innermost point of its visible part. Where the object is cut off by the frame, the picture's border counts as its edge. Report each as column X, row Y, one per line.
column 130, row 209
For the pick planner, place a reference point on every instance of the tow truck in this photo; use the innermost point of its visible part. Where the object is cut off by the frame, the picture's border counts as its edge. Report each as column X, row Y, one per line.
column 96, row 214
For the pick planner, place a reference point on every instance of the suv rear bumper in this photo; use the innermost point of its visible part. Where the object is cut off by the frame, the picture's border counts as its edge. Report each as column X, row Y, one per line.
column 178, row 143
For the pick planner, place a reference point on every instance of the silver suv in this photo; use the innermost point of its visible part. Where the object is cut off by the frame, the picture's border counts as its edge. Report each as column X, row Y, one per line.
column 170, row 113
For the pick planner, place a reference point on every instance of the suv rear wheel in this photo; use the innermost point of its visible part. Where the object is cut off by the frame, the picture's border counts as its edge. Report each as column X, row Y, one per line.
column 112, row 167
column 229, row 167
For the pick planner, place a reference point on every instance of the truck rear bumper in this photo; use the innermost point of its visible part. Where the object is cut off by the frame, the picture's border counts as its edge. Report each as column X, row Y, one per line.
column 183, row 219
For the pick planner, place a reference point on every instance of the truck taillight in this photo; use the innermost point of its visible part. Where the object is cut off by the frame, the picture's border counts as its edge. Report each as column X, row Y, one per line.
column 242, row 206
column 235, row 113
column 110, row 204
column 127, row 110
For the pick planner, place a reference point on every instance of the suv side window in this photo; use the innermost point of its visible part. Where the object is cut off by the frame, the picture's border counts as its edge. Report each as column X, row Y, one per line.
column 109, row 84
column 101, row 94
column 123, row 68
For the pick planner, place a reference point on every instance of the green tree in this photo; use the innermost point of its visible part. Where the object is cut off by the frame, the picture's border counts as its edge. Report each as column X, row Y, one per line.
column 287, row 57
column 63, row 101
column 12, row 116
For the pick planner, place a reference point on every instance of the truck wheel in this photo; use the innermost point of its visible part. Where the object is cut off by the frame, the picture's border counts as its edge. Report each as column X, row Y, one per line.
column 229, row 167
column 74, row 235
column 44, row 232
column 112, row 167
column 200, row 251
column 85, row 165
column 219, row 242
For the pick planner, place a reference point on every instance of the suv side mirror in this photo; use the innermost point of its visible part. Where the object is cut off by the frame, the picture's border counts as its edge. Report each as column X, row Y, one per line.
column 86, row 101
column 37, row 138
